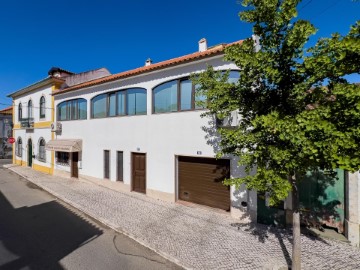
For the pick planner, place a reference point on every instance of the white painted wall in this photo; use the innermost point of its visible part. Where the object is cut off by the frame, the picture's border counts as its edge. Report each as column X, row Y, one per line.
column 161, row 136
column 35, row 136
column 37, row 133
column 35, row 97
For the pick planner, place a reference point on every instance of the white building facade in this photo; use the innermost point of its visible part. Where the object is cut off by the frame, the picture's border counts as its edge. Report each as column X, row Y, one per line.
column 144, row 131
column 33, row 114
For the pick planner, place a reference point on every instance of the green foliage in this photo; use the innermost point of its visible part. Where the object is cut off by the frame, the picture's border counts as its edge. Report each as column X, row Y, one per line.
column 298, row 112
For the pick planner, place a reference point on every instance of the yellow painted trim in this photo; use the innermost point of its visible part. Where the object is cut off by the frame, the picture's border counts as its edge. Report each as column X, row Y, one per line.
column 53, row 133
column 13, row 133
column 20, row 162
column 42, row 124
column 17, row 126
column 43, row 169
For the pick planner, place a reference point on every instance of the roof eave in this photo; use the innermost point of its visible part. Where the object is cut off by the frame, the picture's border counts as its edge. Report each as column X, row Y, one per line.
column 160, row 67
column 44, row 82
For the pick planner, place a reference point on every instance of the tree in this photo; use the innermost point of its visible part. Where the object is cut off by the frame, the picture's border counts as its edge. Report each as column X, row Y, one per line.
column 298, row 111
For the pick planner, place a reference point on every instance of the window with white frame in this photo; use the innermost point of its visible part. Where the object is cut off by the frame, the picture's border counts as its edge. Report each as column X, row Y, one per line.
column 42, row 151
column 20, row 112
column 42, row 107
column 30, row 109
column 18, row 147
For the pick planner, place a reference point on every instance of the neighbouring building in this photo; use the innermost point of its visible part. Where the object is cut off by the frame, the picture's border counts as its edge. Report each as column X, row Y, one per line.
column 33, row 111
column 5, row 133
column 142, row 129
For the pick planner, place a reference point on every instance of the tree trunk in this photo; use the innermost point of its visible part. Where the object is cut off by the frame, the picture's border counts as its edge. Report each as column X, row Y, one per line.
column 296, row 250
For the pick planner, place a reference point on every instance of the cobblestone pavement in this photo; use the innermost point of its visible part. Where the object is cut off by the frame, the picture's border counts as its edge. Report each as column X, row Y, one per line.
column 195, row 238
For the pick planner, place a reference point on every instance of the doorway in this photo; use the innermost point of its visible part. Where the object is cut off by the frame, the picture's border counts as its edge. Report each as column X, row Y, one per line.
column 30, row 156
column 74, row 165
column 139, row 172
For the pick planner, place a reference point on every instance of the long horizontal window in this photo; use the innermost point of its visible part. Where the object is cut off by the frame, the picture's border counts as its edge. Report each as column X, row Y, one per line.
column 125, row 102
column 72, row 110
column 181, row 95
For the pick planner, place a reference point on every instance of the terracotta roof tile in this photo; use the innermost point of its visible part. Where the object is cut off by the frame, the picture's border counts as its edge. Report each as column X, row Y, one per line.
column 7, row 110
column 172, row 62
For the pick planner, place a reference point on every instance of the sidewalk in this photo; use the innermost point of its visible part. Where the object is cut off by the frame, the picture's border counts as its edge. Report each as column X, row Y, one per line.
column 195, row 238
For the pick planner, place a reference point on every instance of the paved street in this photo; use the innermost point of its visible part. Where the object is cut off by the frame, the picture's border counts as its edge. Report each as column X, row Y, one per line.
column 195, row 237
column 39, row 232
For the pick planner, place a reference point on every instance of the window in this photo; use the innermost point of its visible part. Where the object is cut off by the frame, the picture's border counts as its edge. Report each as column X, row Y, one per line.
column 42, row 152
column 99, row 106
column 62, row 158
column 19, row 112
column 125, row 102
column 181, row 95
column 177, row 95
column 106, row 164
column 19, row 147
column 30, row 109
column 42, row 107
column 120, row 166
column 165, row 97
column 136, row 101
column 72, row 110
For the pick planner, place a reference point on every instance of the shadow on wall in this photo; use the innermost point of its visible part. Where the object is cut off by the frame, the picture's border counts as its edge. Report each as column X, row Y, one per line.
column 40, row 236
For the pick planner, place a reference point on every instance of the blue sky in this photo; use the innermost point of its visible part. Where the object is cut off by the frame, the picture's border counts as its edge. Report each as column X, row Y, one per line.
column 80, row 35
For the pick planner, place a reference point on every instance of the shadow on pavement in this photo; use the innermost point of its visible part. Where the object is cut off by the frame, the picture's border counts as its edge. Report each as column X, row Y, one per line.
column 38, row 237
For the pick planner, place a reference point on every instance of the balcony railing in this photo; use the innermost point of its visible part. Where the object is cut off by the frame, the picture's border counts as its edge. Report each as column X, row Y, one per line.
column 27, row 123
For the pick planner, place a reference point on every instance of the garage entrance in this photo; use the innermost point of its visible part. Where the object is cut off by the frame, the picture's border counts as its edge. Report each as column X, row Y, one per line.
column 200, row 181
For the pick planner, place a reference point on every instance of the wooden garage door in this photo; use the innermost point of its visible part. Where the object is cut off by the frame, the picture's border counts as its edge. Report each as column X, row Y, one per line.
column 200, row 181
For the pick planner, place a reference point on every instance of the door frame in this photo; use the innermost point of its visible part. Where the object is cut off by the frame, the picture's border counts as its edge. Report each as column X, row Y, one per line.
column 132, row 171
column 29, row 152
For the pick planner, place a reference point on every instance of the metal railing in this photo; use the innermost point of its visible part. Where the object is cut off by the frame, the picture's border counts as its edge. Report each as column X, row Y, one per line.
column 27, row 122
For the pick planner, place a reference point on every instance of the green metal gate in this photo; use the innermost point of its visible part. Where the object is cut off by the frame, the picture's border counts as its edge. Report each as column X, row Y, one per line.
column 322, row 199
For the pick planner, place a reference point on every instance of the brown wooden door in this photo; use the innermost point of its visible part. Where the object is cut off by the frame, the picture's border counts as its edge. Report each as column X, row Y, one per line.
column 200, row 181
column 139, row 172
column 74, row 165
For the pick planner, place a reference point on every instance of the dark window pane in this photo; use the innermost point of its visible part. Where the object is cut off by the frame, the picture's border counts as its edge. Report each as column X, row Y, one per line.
column 136, row 101
column 99, row 106
column 121, row 102
column 185, row 95
column 82, row 108
column 62, row 157
column 165, row 97
column 112, row 104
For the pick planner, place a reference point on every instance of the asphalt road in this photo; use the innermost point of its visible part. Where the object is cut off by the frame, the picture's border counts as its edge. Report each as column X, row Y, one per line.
column 39, row 232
